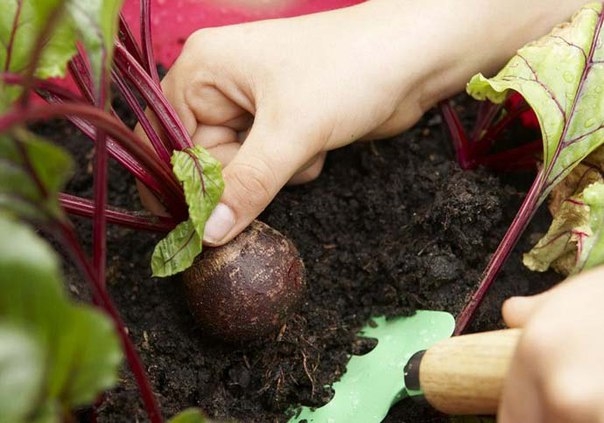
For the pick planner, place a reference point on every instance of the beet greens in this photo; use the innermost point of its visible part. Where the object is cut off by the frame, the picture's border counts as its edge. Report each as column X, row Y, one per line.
column 92, row 44
column 561, row 78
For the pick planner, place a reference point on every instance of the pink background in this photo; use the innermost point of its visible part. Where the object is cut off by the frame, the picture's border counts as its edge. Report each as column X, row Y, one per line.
column 174, row 20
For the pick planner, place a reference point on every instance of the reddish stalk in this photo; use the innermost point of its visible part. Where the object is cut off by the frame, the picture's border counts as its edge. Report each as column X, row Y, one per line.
column 170, row 123
column 459, row 138
column 147, row 41
column 81, row 74
column 136, row 220
column 127, row 39
column 160, row 147
column 101, row 297
column 116, row 129
column 521, row 220
column 100, row 188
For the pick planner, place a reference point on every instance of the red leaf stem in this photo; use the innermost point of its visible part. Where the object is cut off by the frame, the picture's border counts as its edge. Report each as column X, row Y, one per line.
column 100, row 184
column 136, row 220
column 54, row 93
column 147, row 41
column 494, row 131
column 127, row 39
column 172, row 197
column 176, row 133
column 522, row 157
column 487, row 112
column 99, row 220
column 521, row 220
column 82, row 75
column 459, row 137
column 156, row 141
column 101, row 297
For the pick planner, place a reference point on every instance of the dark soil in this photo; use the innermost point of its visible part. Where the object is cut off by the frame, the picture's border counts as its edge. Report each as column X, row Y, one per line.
column 389, row 227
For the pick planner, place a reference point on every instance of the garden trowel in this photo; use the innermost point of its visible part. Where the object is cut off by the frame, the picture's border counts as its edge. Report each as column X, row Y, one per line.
column 415, row 356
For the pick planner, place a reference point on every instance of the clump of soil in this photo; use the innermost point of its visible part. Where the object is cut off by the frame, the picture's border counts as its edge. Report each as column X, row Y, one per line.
column 388, row 228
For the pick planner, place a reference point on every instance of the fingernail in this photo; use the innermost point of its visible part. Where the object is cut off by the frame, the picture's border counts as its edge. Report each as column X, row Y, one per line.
column 219, row 224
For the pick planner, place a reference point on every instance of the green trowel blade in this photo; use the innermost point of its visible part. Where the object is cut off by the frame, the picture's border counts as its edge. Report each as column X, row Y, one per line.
column 375, row 381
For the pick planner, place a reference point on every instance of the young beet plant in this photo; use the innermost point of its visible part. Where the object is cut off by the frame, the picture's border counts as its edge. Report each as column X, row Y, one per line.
column 40, row 40
column 561, row 77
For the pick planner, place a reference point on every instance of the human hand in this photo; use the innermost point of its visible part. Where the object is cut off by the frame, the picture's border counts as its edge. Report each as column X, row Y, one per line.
column 295, row 88
column 557, row 373
column 245, row 83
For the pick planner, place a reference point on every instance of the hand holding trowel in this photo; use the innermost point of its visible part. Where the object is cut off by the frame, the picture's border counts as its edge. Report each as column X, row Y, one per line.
column 415, row 356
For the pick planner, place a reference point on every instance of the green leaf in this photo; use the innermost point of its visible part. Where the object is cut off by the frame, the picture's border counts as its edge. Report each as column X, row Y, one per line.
column 561, row 78
column 201, row 178
column 87, row 356
column 81, row 352
column 21, row 25
column 592, row 251
column 190, row 415
column 177, row 251
column 32, row 172
column 21, row 373
column 574, row 229
column 558, row 248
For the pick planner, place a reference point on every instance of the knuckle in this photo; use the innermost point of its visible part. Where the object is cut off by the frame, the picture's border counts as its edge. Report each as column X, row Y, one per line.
column 255, row 183
column 200, row 40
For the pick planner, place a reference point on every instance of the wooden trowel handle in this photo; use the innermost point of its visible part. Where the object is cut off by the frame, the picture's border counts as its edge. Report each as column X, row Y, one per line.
column 464, row 374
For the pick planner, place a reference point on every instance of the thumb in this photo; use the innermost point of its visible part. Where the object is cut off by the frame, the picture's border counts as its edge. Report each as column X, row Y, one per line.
column 263, row 165
column 517, row 311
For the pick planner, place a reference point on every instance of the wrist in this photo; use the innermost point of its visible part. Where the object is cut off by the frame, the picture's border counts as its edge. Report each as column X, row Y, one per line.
column 451, row 40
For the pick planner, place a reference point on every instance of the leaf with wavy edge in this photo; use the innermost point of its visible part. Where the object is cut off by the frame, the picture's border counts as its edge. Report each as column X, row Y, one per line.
column 561, row 76
column 177, row 251
column 571, row 232
column 80, row 350
column 559, row 246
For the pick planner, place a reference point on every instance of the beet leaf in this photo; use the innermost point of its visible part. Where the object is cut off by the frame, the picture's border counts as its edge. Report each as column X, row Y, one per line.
column 190, row 415
column 74, row 351
column 574, row 226
column 201, row 178
column 561, row 77
column 22, row 25
column 32, row 171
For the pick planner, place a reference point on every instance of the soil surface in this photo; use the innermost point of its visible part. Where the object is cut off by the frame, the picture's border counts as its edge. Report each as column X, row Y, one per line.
column 389, row 227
